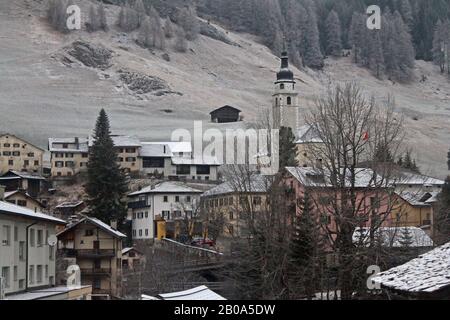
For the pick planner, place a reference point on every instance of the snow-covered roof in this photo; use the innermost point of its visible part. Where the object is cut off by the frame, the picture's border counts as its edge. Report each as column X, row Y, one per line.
column 24, row 193
column 396, row 237
column 69, row 204
column 198, row 293
column 96, row 222
column 255, row 184
column 409, row 178
column 155, row 150
column 9, row 208
column 312, row 177
column 174, row 146
column 428, row 273
column 166, row 187
column 307, row 134
column 43, row 293
column 126, row 250
column 418, row 199
column 126, row 141
column 82, row 144
column 208, row 161
column 23, row 175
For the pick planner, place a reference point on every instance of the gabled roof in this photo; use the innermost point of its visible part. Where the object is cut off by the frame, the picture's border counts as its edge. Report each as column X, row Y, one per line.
column 198, row 293
column 126, row 141
column 105, row 227
column 256, row 184
column 418, row 199
column 166, row 187
column 12, row 135
column 22, row 192
column 83, row 144
column 307, row 134
column 428, row 273
column 126, row 250
column 225, row 107
column 174, row 146
column 11, row 209
column 406, row 177
column 394, row 236
column 20, row 174
column 150, row 149
column 312, row 177
column 69, row 204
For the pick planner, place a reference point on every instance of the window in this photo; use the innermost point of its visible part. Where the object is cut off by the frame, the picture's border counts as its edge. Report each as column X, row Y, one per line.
column 16, row 145
column 165, row 199
column 84, row 155
column 89, row 232
column 256, row 201
column 70, row 164
column 26, row 163
column 134, row 232
column 131, row 159
column 146, row 232
column 177, row 214
column 6, row 239
column 10, row 162
column 40, row 236
column 51, row 253
column 16, row 153
column 120, row 159
column 7, row 145
column 59, row 164
column 130, row 150
column 16, row 234
column 30, row 154
column 32, row 238
column 36, row 162
column 220, row 202
column 5, row 275
column 22, row 250
column 203, row 170
column 21, row 284
column 230, row 201
column 282, row 86
column 31, row 274
column 15, row 273
column 289, row 100
column 69, row 155
column 59, row 155
column 177, row 198
column 183, row 169
column 22, row 203
column 97, row 283
column 140, row 232
column 166, row 215
column 188, row 198
column 39, row 274
column 65, row 146
column 46, row 271
column 146, row 214
column 153, row 162
column 134, row 215
column 6, row 153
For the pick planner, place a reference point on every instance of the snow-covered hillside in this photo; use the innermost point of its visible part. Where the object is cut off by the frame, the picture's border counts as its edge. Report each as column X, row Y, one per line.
column 41, row 95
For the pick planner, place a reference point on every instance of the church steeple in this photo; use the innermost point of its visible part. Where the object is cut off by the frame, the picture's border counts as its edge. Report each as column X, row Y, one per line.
column 285, row 74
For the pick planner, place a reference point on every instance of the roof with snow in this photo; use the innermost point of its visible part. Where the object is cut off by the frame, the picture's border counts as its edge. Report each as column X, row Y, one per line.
column 69, row 204
column 396, row 237
column 206, row 161
column 155, row 150
column 418, row 199
column 11, row 209
column 21, row 174
column 174, row 146
column 198, row 293
column 126, row 141
column 312, row 177
column 82, row 144
column 166, row 187
column 22, row 192
column 307, row 134
column 126, row 250
column 105, row 227
column 428, row 273
column 403, row 177
column 256, row 184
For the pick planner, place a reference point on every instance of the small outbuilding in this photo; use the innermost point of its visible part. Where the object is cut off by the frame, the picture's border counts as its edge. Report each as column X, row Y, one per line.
column 225, row 114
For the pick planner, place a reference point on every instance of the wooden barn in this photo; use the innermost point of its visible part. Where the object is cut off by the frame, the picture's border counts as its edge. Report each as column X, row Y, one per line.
column 225, row 114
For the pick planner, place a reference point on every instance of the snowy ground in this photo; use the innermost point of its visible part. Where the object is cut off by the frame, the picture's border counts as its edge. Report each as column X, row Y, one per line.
column 40, row 97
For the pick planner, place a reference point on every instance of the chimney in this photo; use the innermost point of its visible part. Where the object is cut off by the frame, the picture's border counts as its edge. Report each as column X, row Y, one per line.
column 2, row 193
column 113, row 224
column 73, row 219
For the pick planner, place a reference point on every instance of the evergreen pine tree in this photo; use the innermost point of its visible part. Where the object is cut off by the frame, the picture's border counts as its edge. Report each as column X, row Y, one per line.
column 94, row 23
column 406, row 238
column 312, row 55
column 106, row 185
column 102, row 17
column 168, row 28
column 334, row 37
column 288, row 148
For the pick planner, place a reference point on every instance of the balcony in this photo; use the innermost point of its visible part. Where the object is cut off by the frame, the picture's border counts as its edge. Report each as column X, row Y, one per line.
column 138, row 205
column 95, row 271
column 95, row 253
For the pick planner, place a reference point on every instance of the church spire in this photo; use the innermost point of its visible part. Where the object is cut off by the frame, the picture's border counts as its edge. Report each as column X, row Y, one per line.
column 285, row 74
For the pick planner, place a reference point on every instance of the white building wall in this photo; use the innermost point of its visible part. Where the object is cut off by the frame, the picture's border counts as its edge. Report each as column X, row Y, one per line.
column 37, row 255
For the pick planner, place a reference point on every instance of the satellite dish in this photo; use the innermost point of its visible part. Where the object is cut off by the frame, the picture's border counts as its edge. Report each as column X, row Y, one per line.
column 52, row 240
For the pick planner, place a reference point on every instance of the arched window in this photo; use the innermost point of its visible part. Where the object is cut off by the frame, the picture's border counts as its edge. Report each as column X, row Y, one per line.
column 282, row 86
column 289, row 100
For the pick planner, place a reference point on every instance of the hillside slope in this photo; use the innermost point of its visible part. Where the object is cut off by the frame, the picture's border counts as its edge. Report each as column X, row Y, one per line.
column 41, row 95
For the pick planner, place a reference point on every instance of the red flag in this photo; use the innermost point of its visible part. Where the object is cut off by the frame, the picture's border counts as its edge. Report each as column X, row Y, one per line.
column 366, row 136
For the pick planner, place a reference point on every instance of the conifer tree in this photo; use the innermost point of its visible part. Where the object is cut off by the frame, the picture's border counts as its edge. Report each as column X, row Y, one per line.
column 288, row 148
column 334, row 37
column 106, row 185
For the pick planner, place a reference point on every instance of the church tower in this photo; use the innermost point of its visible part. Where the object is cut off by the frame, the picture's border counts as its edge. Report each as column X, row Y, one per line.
column 285, row 99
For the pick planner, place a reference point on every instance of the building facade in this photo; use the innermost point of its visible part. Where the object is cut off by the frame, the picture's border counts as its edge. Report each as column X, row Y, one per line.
column 69, row 156
column 97, row 249
column 19, row 155
column 27, row 258
column 154, row 210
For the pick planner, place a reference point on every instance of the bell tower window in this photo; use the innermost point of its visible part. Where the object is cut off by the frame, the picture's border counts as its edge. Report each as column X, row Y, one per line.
column 289, row 101
column 282, row 86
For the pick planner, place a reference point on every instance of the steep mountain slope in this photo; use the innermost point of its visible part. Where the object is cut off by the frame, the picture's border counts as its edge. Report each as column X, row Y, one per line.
column 42, row 94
